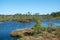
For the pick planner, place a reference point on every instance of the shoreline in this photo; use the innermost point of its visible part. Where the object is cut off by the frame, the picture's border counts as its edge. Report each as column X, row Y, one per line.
column 21, row 36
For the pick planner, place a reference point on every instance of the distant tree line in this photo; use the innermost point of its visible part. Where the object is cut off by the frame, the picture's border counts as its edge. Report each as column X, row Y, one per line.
column 28, row 16
column 55, row 14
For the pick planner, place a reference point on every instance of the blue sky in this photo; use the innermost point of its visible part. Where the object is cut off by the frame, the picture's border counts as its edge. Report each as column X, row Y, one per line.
column 33, row 6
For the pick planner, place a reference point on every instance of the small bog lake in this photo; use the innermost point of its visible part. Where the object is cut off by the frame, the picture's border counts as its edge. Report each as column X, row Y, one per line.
column 8, row 26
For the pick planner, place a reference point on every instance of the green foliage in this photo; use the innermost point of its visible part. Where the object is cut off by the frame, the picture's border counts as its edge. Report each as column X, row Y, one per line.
column 36, row 27
column 28, row 16
column 55, row 14
column 43, row 28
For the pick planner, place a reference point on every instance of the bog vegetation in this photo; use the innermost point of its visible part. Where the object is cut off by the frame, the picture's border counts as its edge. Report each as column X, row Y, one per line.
column 38, row 31
column 28, row 17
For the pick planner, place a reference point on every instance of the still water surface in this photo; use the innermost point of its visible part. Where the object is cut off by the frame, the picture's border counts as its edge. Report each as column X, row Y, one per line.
column 8, row 26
